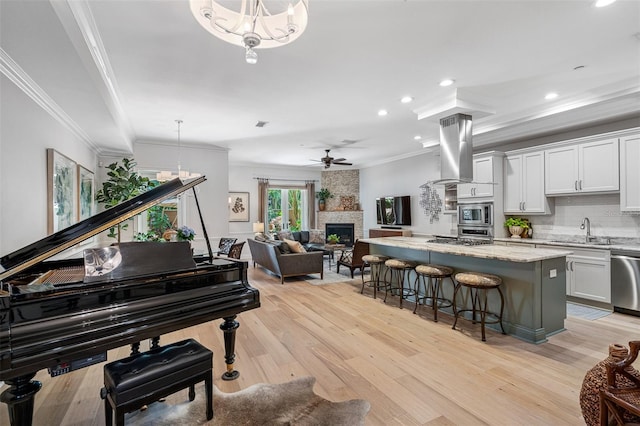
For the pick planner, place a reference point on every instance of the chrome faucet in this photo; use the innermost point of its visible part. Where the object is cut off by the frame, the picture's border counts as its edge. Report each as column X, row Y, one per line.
column 587, row 222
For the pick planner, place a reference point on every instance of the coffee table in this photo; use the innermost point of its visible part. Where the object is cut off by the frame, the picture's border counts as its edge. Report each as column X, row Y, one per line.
column 331, row 248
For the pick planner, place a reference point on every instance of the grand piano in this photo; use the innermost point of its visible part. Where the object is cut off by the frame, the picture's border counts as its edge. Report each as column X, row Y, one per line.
column 63, row 315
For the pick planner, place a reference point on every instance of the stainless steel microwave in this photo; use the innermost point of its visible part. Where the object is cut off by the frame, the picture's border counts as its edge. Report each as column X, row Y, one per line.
column 479, row 214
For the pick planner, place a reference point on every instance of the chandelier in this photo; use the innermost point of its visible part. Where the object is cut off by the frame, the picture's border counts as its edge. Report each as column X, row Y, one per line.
column 251, row 24
column 165, row 175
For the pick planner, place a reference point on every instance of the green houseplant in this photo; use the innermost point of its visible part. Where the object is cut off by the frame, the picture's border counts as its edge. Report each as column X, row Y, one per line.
column 123, row 183
column 323, row 195
column 333, row 239
column 516, row 225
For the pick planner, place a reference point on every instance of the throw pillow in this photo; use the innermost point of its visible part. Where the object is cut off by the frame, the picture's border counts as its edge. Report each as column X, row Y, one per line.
column 295, row 246
column 285, row 235
column 283, row 247
column 316, row 236
column 260, row 237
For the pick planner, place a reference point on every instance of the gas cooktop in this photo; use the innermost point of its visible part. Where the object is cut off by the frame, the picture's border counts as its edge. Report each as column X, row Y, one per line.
column 461, row 241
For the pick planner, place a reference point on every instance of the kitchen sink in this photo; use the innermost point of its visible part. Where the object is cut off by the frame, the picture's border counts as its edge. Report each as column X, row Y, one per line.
column 590, row 243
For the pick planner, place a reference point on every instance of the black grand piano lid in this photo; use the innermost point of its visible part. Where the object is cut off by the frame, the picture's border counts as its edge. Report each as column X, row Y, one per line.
column 53, row 244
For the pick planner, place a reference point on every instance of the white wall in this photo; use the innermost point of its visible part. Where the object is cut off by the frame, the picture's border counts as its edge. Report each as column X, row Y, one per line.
column 404, row 177
column 26, row 131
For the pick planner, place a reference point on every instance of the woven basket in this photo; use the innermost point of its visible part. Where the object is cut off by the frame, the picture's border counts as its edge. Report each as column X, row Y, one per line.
column 596, row 379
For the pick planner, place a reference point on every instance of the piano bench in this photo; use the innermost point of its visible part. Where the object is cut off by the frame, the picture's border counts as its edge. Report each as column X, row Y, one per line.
column 141, row 379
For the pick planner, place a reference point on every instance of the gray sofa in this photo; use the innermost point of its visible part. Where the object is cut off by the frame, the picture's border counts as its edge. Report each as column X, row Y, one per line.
column 268, row 255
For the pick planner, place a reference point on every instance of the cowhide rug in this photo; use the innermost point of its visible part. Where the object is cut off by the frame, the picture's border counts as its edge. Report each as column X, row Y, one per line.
column 291, row 403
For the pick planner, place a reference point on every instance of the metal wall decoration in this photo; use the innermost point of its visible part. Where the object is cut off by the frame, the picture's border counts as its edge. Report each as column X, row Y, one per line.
column 430, row 201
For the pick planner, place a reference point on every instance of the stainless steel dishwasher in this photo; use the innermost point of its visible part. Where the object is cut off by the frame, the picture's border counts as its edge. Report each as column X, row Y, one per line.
column 625, row 281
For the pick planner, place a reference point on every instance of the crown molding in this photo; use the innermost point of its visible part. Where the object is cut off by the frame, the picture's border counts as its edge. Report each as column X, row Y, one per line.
column 79, row 24
column 21, row 79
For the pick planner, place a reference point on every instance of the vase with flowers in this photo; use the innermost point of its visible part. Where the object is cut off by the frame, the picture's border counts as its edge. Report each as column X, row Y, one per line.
column 184, row 233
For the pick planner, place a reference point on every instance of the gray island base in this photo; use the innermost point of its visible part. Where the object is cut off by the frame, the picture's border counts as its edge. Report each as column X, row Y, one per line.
column 533, row 280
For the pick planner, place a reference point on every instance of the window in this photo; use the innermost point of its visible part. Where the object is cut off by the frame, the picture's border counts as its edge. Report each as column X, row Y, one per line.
column 287, row 209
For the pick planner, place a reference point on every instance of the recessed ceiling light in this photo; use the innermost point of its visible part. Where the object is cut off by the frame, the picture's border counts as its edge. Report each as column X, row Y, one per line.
column 603, row 3
column 550, row 96
column 417, row 137
column 406, row 99
column 382, row 112
column 446, row 82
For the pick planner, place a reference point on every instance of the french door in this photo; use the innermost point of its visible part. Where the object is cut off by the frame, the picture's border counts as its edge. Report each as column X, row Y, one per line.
column 287, row 209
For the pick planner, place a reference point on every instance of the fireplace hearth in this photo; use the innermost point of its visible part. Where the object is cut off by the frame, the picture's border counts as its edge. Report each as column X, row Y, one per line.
column 343, row 230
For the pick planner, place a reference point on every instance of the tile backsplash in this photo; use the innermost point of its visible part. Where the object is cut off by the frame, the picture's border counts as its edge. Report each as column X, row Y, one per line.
column 603, row 212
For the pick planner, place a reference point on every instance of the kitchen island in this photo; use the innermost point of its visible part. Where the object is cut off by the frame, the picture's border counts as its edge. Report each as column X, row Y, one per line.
column 533, row 279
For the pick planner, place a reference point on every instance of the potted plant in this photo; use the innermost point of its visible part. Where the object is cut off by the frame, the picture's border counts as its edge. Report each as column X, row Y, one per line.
column 323, row 195
column 123, row 183
column 516, row 225
column 333, row 239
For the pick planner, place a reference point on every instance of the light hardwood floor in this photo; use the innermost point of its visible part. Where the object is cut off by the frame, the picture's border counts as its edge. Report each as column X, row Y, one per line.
column 412, row 370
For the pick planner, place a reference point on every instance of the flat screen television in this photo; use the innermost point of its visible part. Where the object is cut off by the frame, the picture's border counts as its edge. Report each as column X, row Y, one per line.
column 394, row 210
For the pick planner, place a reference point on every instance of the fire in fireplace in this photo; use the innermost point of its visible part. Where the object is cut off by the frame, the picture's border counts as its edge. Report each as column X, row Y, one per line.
column 342, row 230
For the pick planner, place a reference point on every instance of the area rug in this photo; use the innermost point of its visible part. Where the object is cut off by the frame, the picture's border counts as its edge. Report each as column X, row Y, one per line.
column 330, row 275
column 291, row 403
column 585, row 312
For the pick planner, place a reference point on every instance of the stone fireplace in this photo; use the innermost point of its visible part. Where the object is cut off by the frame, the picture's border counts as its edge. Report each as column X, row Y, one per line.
column 343, row 230
column 341, row 183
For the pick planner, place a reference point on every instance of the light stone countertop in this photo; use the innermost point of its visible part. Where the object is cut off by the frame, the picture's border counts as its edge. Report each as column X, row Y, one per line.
column 560, row 242
column 487, row 251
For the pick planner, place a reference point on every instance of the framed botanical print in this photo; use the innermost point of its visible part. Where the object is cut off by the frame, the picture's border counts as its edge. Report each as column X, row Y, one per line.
column 238, row 207
column 61, row 191
column 86, row 193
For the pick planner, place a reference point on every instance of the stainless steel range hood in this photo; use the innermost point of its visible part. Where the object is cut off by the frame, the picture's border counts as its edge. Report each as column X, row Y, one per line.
column 456, row 150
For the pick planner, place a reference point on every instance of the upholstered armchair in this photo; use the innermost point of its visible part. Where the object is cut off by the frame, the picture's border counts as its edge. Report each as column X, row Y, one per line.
column 352, row 259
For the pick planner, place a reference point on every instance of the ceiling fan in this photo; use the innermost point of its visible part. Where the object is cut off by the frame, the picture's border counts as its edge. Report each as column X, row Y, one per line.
column 327, row 160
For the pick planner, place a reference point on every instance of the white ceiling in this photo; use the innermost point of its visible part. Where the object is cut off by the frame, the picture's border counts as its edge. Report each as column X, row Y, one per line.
column 125, row 70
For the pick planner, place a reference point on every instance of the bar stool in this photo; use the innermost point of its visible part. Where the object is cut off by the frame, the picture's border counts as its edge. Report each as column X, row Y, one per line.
column 477, row 284
column 431, row 276
column 376, row 265
column 399, row 274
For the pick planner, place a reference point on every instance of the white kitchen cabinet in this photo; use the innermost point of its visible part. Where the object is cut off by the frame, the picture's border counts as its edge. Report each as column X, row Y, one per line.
column 486, row 168
column 582, row 168
column 588, row 273
column 524, row 183
column 630, row 173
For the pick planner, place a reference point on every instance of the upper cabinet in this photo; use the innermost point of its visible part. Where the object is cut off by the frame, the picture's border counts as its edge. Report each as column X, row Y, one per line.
column 582, row 168
column 487, row 172
column 524, row 183
column 630, row 173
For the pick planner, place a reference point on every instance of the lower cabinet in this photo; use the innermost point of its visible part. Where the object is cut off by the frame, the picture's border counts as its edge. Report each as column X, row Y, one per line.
column 375, row 233
column 588, row 273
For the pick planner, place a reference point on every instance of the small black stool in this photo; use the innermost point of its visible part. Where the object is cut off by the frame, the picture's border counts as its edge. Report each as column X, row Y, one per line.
column 478, row 283
column 400, row 270
column 376, row 264
column 144, row 378
column 431, row 277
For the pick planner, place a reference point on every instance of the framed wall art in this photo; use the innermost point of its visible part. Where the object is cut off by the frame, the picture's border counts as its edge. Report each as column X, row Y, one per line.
column 86, row 193
column 238, row 207
column 62, row 196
